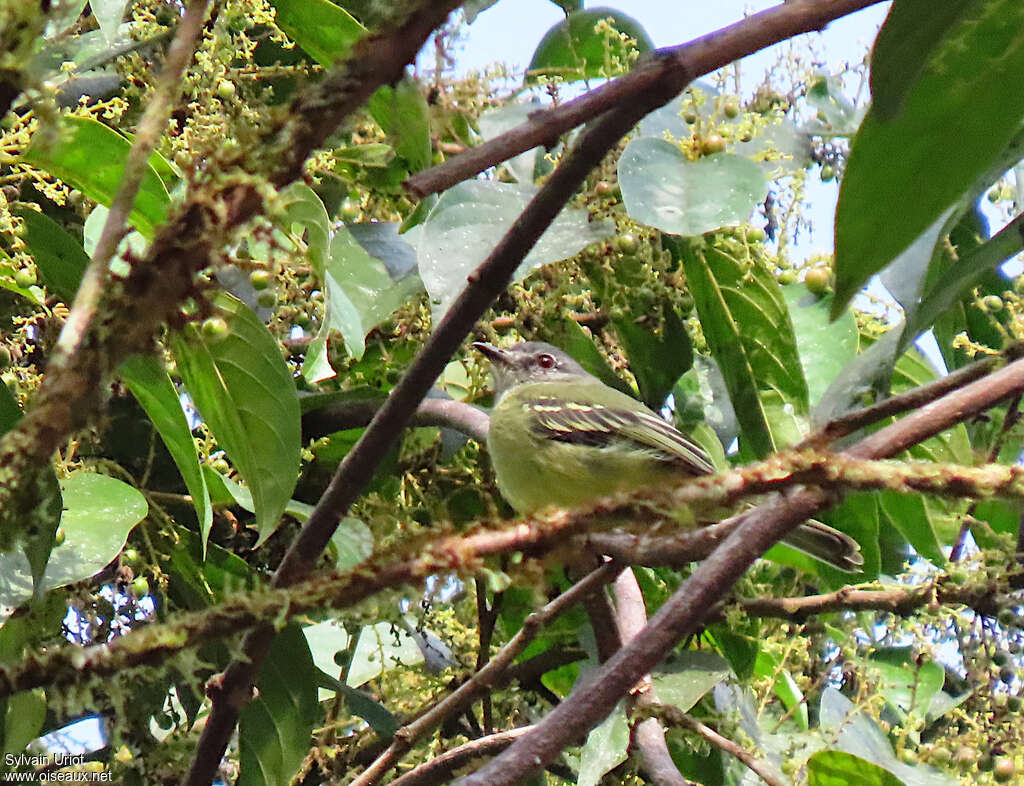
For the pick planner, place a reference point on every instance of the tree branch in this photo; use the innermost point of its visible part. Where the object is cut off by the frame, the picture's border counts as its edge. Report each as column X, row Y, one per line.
column 440, row 768
column 684, row 62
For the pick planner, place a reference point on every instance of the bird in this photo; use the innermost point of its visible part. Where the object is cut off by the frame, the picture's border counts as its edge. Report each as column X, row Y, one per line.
column 558, row 436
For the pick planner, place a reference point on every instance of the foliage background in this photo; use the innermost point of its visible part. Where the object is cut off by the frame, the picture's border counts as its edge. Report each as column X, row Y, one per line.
column 274, row 278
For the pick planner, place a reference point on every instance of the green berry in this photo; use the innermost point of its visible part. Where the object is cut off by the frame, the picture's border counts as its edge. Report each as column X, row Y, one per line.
column 627, row 243
column 786, row 277
column 711, row 144
column 5, row 357
column 220, row 465
column 986, row 763
column 1006, row 674
column 994, row 195
column 140, row 587
column 1003, row 770
column 25, row 278
column 690, row 117
column 131, row 557
column 267, row 299
column 828, row 173
column 755, row 235
column 349, row 210
column 226, row 89
column 59, row 537
column 992, row 303
column 604, row 188
column 215, row 329
column 731, row 108
column 1000, row 657
column 260, row 279
column 816, row 281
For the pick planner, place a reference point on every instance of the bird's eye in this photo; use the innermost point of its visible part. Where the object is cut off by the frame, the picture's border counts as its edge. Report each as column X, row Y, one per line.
column 546, row 360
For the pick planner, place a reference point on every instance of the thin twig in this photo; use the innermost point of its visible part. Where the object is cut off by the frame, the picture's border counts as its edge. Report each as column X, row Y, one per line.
column 440, row 768
column 674, row 717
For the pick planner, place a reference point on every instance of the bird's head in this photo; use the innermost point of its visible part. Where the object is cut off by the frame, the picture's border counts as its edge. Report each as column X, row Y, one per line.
column 528, row 361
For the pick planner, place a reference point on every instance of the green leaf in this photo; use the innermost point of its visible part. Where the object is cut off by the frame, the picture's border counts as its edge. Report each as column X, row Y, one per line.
column 244, row 391
column 360, row 292
column 657, row 360
column 362, row 706
column 60, row 258
column 783, row 685
column 324, row 30
column 747, row 327
column 148, row 381
column 825, row 94
column 302, row 211
column 825, row 347
column 573, row 49
column 835, row 768
column 963, row 276
column 353, row 542
column 99, row 512
column 108, row 15
column 910, row 515
column 275, row 728
column 90, row 156
column 683, row 680
column 380, row 648
column 10, row 412
column 605, row 748
column 957, row 118
column 403, row 113
column 24, row 716
column 461, row 230
column 908, row 687
column 662, row 188
column 567, row 334
column 912, row 31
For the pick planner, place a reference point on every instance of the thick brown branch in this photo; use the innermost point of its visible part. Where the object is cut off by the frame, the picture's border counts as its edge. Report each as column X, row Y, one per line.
column 687, row 61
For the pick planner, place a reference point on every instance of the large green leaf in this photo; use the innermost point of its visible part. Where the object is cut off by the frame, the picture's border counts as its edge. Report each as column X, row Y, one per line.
column 245, row 393
column 835, row 768
column 745, row 321
column 403, row 113
column 956, row 119
column 574, row 49
column 825, row 347
column 784, row 686
column 60, row 258
column 380, row 648
column 656, row 358
column 606, row 747
column 468, row 220
column 90, row 156
column 662, row 188
column 147, row 379
column 274, row 728
column 323, row 29
column 99, row 512
column 683, row 680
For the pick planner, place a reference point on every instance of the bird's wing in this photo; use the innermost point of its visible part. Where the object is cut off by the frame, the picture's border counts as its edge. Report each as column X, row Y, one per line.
column 600, row 425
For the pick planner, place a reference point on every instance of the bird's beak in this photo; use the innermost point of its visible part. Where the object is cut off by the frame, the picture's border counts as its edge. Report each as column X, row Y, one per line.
column 491, row 352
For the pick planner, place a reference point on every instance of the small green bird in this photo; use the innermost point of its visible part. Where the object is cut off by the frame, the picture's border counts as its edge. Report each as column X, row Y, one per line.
column 559, row 436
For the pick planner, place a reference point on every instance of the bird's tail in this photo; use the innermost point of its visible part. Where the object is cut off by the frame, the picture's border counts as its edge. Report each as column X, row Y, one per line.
column 829, row 545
